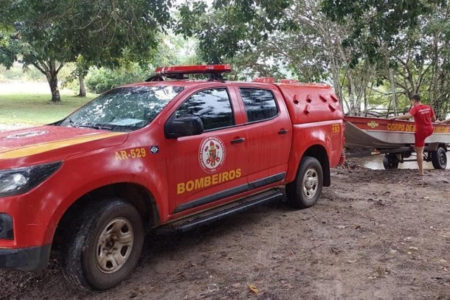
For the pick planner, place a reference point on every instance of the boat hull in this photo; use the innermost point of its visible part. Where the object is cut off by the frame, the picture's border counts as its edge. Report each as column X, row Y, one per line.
column 376, row 133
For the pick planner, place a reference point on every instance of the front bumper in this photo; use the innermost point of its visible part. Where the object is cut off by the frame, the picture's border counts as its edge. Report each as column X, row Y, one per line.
column 25, row 259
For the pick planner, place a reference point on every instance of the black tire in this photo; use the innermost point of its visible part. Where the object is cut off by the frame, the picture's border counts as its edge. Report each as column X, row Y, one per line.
column 305, row 190
column 439, row 158
column 390, row 161
column 102, row 233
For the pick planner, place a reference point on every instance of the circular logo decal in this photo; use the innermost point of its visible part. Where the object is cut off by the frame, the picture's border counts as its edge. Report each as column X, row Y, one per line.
column 211, row 154
column 26, row 134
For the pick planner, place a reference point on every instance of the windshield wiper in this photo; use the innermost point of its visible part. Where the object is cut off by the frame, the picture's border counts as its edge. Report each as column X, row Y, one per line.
column 96, row 126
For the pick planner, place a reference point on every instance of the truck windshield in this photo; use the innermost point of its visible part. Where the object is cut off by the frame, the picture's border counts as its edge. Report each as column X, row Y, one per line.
column 123, row 109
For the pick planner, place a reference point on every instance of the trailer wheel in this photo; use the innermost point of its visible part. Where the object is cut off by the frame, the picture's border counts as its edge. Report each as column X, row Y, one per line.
column 390, row 161
column 305, row 190
column 104, row 246
column 439, row 158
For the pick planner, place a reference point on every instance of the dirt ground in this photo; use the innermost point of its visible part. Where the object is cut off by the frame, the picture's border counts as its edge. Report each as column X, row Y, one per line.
column 374, row 234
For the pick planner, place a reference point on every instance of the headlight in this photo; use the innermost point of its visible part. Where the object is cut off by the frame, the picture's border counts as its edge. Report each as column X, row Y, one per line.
column 21, row 180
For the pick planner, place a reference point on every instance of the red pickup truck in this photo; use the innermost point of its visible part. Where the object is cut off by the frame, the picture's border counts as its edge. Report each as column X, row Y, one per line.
column 169, row 153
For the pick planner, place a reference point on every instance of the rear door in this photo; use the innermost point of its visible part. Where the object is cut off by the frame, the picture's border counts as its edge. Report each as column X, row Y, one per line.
column 269, row 133
column 206, row 169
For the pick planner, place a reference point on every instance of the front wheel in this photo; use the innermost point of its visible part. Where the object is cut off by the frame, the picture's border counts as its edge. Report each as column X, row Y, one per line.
column 104, row 246
column 305, row 190
column 439, row 158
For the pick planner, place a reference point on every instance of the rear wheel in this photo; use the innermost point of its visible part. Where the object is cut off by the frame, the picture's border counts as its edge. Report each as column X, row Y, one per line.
column 305, row 190
column 390, row 161
column 439, row 158
column 104, row 245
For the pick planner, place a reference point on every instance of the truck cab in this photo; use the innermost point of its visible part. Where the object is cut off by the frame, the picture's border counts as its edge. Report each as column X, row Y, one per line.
column 166, row 154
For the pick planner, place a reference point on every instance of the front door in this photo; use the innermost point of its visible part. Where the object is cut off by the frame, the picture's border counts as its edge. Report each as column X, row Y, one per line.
column 209, row 167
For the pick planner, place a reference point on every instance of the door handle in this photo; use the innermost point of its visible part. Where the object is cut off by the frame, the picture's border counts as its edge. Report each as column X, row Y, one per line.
column 283, row 131
column 238, row 140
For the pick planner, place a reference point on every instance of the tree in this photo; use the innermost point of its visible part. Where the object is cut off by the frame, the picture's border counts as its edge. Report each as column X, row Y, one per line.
column 49, row 33
column 293, row 38
column 406, row 41
column 315, row 47
column 438, row 35
column 229, row 27
column 80, row 72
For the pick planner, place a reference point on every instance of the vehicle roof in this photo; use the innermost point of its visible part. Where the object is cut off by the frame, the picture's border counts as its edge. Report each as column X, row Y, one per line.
column 189, row 83
column 172, row 82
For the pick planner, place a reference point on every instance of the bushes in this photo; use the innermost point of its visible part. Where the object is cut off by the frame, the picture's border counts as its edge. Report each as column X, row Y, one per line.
column 100, row 80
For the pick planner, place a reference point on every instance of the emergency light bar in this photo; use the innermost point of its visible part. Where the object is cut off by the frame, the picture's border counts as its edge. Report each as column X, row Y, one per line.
column 178, row 72
column 202, row 69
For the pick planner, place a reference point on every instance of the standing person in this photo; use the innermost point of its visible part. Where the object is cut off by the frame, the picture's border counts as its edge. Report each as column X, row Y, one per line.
column 423, row 117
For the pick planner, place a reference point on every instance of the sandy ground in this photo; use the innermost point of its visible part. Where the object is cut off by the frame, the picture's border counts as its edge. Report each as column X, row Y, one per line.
column 374, row 234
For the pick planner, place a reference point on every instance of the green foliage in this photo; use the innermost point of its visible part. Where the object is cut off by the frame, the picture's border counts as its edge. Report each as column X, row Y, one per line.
column 8, row 49
column 103, row 79
column 108, row 31
column 409, row 40
column 172, row 50
column 68, row 78
column 379, row 26
column 101, row 31
column 47, row 34
column 230, row 26
column 377, row 50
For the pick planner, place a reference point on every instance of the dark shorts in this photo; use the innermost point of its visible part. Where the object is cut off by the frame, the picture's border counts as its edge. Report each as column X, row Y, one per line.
column 421, row 135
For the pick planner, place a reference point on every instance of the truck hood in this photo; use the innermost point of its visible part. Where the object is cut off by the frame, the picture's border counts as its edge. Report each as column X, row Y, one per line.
column 23, row 143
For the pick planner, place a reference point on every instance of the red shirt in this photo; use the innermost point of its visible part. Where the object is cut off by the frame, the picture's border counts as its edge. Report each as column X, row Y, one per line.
column 423, row 116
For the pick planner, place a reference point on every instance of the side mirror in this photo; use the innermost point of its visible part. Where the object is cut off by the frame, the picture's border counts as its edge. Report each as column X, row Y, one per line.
column 184, row 126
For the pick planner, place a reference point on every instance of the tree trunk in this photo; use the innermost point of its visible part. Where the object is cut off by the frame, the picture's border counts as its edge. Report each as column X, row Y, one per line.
column 394, row 92
column 49, row 69
column 82, row 92
column 51, row 72
column 366, row 101
column 355, row 103
column 52, row 78
column 335, row 72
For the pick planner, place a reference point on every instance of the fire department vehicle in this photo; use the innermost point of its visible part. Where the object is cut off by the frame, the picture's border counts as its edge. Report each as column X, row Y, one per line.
column 169, row 153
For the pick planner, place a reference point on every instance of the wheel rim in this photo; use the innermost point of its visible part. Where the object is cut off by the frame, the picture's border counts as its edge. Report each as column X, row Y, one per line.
column 393, row 161
column 114, row 245
column 310, row 183
column 442, row 158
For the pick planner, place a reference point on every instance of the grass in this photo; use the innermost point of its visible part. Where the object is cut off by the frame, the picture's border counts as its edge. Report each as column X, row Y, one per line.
column 37, row 109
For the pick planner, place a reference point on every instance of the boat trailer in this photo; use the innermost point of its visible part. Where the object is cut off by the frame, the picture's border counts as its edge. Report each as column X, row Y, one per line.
column 395, row 139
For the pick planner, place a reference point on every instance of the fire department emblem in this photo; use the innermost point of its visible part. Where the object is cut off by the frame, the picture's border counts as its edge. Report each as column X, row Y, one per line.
column 211, row 154
column 372, row 124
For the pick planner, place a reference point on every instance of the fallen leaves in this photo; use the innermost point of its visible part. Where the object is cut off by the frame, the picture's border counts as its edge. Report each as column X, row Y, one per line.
column 253, row 289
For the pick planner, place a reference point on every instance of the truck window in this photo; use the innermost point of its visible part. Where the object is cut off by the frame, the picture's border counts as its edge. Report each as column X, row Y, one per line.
column 213, row 106
column 259, row 104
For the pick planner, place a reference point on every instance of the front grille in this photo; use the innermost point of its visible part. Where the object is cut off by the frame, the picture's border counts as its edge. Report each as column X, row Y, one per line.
column 6, row 227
